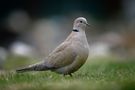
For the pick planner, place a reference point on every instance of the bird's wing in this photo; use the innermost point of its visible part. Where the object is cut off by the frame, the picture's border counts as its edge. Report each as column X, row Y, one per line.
column 63, row 55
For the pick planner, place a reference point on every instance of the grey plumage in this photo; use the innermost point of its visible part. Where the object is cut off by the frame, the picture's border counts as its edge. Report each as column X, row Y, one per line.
column 69, row 56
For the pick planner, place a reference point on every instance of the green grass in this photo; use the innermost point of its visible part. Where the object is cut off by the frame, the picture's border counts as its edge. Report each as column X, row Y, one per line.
column 98, row 74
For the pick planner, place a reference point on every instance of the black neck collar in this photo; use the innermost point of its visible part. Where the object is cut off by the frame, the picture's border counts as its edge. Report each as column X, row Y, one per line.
column 75, row 30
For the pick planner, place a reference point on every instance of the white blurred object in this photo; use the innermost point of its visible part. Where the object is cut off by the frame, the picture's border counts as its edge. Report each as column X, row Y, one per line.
column 22, row 49
column 104, row 44
column 44, row 35
column 18, row 21
column 111, row 38
column 3, row 54
column 99, row 49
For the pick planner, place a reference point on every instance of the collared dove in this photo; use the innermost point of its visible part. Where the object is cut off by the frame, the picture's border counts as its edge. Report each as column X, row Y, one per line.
column 69, row 56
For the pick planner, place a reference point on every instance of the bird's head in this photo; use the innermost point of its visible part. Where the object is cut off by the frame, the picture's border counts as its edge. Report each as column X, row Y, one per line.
column 80, row 23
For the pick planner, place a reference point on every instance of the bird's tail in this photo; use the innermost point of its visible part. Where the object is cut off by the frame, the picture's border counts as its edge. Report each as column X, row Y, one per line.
column 35, row 67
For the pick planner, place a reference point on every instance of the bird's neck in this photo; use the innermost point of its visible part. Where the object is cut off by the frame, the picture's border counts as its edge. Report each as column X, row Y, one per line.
column 78, row 29
column 75, row 30
column 80, row 33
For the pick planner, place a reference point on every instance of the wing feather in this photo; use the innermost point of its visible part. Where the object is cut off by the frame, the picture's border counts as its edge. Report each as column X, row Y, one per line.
column 63, row 55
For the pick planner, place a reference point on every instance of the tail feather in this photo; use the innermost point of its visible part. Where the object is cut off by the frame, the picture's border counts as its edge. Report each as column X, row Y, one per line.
column 35, row 67
column 23, row 70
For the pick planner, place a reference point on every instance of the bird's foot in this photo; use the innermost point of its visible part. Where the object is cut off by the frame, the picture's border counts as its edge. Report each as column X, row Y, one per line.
column 68, row 74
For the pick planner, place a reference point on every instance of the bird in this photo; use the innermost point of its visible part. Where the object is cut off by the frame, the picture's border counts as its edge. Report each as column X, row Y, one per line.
column 69, row 56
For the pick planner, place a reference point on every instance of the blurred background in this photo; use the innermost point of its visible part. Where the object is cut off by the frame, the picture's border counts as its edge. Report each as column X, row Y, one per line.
column 31, row 29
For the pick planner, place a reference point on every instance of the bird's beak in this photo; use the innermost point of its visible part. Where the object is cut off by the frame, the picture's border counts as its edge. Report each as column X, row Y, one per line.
column 88, row 24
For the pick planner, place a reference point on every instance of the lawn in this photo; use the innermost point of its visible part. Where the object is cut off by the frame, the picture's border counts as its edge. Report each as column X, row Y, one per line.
column 96, row 74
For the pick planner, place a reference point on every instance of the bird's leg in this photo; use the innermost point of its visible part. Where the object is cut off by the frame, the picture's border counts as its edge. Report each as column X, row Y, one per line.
column 64, row 75
column 70, row 75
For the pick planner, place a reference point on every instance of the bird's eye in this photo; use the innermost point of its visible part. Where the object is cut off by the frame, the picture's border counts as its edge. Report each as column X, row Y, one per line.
column 80, row 21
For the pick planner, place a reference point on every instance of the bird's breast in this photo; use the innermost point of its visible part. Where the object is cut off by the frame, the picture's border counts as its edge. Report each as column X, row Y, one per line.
column 79, row 45
column 82, row 55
